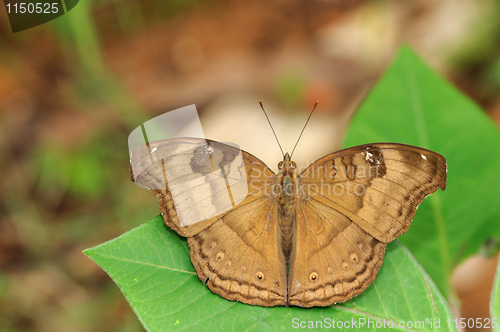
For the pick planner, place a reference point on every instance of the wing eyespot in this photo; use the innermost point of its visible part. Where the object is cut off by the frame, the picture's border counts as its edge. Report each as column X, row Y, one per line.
column 354, row 258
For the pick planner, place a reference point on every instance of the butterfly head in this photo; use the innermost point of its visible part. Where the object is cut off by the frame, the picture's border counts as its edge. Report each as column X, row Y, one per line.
column 287, row 163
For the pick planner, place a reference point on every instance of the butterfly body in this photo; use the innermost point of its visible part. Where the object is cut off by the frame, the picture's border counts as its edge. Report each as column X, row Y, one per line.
column 310, row 238
column 287, row 199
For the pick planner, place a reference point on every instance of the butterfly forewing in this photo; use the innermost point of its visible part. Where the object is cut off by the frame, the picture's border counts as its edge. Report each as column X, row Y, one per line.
column 196, row 180
column 378, row 186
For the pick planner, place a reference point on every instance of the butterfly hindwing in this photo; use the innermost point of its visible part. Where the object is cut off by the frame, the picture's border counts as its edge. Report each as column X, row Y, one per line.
column 333, row 258
column 239, row 255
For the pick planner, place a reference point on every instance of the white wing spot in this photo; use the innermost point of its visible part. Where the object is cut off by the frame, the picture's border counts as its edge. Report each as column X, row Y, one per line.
column 423, row 157
column 368, row 156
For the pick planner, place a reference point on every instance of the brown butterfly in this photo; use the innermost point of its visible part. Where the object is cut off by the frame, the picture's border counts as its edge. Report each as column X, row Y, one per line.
column 304, row 239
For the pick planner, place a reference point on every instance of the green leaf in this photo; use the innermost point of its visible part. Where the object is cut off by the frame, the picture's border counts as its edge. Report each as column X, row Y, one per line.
column 495, row 299
column 151, row 266
column 411, row 104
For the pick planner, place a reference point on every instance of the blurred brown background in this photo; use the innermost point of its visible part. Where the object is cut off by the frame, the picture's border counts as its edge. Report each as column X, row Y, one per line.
column 72, row 90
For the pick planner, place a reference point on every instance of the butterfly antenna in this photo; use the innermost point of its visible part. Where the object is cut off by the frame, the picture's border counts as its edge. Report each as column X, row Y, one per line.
column 261, row 106
column 315, row 104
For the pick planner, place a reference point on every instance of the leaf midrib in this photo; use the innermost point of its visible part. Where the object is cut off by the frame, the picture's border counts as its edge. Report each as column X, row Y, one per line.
column 141, row 263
